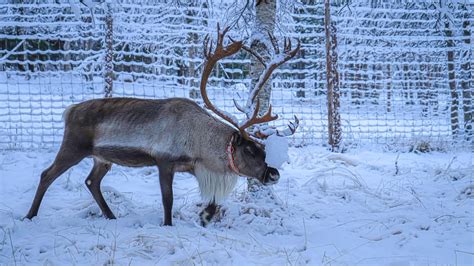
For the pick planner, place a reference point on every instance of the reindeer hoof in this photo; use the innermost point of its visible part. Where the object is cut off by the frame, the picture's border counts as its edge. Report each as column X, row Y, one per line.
column 207, row 214
column 110, row 216
column 205, row 218
column 29, row 216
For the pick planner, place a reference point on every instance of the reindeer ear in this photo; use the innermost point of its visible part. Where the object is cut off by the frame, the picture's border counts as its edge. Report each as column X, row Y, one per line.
column 236, row 138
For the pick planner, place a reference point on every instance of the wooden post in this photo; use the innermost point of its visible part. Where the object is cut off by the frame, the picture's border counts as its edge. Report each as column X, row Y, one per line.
column 466, row 77
column 332, row 81
column 452, row 80
column 389, row 88
column 109, row 53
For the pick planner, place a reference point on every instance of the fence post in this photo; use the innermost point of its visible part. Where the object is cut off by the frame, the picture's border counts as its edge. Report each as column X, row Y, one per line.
column 109, row 53
column 332, row 80
column 452, row 79
column 466, row 78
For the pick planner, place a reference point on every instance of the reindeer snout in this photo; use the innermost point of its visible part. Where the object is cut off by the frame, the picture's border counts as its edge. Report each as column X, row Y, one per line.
column 271, row 176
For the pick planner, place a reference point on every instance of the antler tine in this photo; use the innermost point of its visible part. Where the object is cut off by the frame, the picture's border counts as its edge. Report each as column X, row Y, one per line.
column 267, row 117
column 293, row 52
column 252, row 117
column 231, row 39
column 291, row 128
column 220, row 35
column 274, row 42
column 205, row 44
column 210, row 49
column 250, row 51
column 254, row 54
column 212, row 56
column 226, row 29
column 287, row 45
column 255, row 119
column 265, row 132
column 269, row 70
column 238, row 106
column 249, row 121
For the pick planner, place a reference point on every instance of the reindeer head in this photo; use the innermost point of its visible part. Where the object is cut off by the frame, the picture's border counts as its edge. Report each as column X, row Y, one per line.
column 246, row 151
column 247, row 158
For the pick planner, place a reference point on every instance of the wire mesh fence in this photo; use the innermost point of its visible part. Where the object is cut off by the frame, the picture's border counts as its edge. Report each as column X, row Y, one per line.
column 405, row 69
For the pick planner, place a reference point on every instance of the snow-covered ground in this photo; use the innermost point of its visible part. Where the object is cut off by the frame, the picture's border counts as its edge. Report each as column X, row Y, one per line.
column 361, row 207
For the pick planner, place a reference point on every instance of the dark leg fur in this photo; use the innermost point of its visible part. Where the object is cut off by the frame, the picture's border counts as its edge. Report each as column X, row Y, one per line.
column 207, row 214
column 166, row 184
column 93, row 184
column 64, row 160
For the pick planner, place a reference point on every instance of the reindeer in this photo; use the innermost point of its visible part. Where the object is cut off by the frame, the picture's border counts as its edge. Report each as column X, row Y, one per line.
column 175, row 134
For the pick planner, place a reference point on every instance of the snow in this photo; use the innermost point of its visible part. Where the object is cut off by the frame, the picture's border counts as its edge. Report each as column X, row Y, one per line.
column 361, row 207
column 276, row 149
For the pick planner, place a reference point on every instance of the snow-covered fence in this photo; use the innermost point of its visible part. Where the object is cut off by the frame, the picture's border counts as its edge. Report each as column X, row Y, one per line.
column 406, row 70
column 405, row 67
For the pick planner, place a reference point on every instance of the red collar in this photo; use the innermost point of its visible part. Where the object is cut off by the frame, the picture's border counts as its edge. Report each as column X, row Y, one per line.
column 231, row 157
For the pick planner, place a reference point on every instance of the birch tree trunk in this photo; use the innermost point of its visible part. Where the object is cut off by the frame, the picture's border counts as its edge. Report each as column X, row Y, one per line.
column 264, row 24
column 265, row 13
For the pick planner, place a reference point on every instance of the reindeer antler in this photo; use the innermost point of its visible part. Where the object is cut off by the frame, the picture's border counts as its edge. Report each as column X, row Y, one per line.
column 251, row 110
column 279, row 59
column 211, row 59
column 263, row 132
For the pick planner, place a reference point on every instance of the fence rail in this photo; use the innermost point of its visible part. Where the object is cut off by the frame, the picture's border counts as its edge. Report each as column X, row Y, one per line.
column 405, row 69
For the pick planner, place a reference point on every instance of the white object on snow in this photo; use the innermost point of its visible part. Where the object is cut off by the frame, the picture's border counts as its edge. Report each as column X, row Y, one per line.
column 276, row 148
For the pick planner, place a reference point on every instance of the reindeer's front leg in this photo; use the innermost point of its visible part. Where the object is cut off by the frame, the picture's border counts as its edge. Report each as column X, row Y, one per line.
column 166, row 184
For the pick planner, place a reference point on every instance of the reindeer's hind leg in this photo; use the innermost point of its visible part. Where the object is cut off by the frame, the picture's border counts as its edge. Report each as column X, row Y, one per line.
column 93, row 184
column 65, row 159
